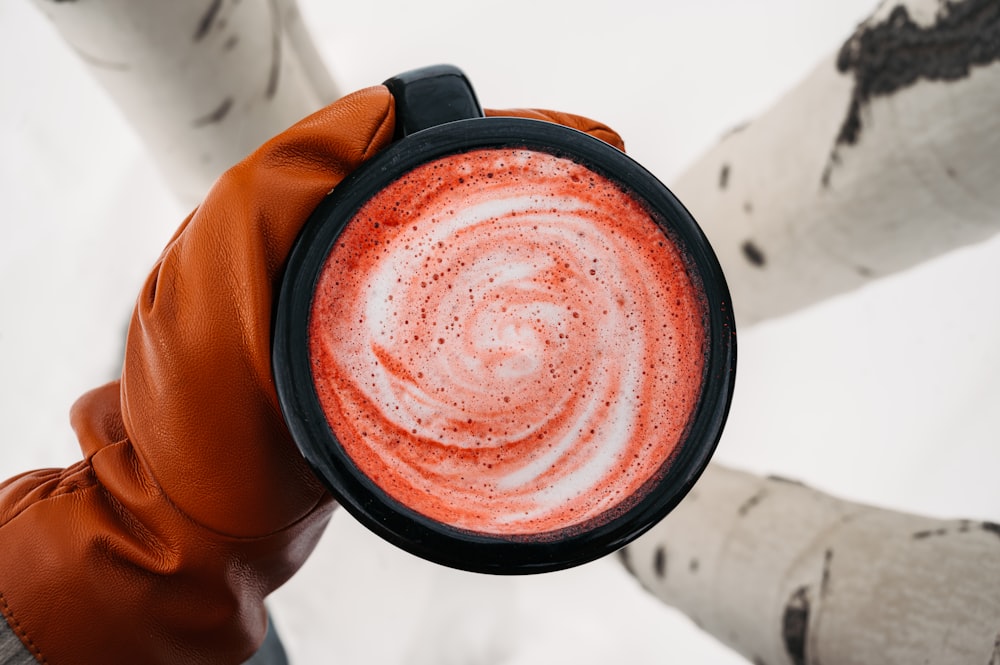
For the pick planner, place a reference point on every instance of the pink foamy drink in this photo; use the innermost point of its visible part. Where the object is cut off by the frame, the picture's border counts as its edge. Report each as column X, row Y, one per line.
column 507, row 342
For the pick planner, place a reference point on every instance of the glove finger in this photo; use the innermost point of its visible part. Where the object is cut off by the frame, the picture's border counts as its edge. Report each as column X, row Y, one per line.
column 198, row 399
column 596, row 129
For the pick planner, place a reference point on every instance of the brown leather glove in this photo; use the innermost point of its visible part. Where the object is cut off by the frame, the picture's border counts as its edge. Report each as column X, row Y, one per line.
column 192, row 502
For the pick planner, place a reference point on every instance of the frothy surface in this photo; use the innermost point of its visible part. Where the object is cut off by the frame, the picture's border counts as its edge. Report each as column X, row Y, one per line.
column 506, row 342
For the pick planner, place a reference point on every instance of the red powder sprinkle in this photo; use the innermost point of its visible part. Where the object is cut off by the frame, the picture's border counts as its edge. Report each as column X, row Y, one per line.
column 550, row 403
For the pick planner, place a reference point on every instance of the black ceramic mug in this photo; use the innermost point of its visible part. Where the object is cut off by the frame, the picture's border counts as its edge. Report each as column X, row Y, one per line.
column 502, row 344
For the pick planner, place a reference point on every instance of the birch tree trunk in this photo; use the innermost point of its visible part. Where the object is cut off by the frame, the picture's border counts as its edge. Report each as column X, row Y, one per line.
column 787, row 575
column 203, row 83
column 884, row 157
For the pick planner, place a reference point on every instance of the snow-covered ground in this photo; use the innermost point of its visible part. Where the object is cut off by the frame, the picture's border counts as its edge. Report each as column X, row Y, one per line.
column 889, row 395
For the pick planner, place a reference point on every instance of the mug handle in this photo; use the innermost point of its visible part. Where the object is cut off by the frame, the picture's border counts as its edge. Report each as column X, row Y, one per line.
column 431, row 96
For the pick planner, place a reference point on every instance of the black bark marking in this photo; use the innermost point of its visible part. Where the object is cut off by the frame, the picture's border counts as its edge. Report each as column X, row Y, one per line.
column 964, row 526
column 753, row 254
column 724, row 176
column 747, row 207
column 757, row 660
column 995, row 658
column 736, row 129
column 795, row 625
column 827, row 564
column 231, row 43
column 660, row 562
column 94, row 61
column 220, row 112
column 626, row 560
column 832, row 160
column 783, row 479
column 275, row 73
column 693, row 566
column 895, row 54
column 864, row 271
column 207, row 20
column 751, row 502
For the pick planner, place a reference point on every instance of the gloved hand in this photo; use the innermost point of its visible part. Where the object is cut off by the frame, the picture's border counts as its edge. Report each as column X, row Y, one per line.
column 192, row 502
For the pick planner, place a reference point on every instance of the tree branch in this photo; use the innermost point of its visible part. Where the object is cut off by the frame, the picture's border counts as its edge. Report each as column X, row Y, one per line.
column 203, row 83
column 884, row 157
column 785, row 574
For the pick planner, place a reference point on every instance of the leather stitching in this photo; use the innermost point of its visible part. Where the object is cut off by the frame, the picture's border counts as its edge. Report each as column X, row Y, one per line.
column 19, row 631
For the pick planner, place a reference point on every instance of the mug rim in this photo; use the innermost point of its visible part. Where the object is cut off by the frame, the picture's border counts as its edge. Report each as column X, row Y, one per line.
column 393, row 520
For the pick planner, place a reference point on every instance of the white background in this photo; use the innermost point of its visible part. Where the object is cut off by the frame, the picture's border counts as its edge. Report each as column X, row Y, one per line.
column 888, row 395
